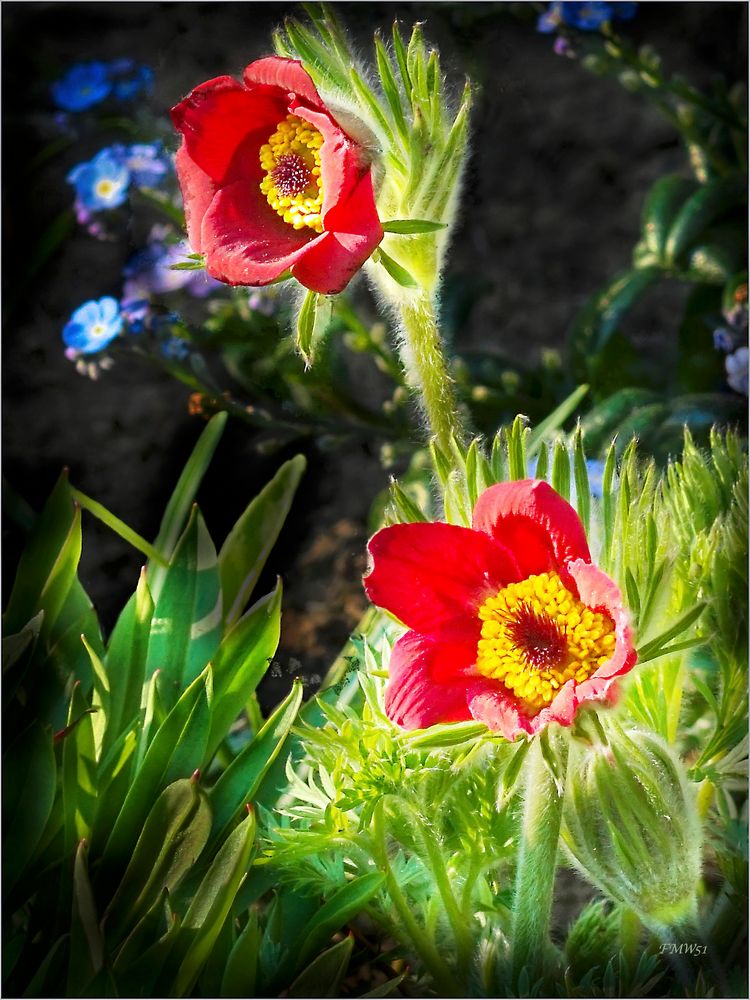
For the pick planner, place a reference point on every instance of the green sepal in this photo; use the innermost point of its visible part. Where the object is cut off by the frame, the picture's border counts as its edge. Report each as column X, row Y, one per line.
column 312, row 323
column 399, row 274
column 412, row 227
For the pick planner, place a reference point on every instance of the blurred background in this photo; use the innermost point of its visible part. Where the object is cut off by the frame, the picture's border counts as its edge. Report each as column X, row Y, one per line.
column 561, row 162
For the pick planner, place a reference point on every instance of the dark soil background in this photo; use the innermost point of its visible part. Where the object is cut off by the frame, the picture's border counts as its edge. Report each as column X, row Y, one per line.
column 561, row 163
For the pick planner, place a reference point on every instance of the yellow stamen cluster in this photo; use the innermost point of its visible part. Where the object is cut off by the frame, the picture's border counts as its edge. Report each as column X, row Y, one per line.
column 536, row 635
column 292, row 183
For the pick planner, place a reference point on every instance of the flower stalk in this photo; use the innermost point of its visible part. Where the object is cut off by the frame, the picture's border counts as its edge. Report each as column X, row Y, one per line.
column 537, row 860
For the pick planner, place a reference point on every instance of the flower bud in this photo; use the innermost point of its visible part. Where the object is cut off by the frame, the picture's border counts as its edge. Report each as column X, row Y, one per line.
column 631, row 826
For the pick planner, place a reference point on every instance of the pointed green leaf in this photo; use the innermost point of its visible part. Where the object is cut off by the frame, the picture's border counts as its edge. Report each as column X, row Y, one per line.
column 79, row 783
column 241, row 661
column 29, row 785
column 173, row 836
column 125, row 662
column 245, row 551
column 176, row 751
column 47, row 539
column 339, row 909
column 238, row 784
column 324, row 975
column 186, row 623
column 241, row 970
column 86, row 945
column 183, row 497
column 211, row 904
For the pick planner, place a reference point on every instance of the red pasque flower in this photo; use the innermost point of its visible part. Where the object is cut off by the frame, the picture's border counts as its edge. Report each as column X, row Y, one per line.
column 271, row 182
column 509, row 621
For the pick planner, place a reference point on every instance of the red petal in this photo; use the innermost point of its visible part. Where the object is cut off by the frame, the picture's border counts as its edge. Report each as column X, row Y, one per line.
column 424, row 684
column 433, row 576
column 597, row 590
column 223, row 125
column 540, row 528
column 198, row 191
column 497, row 709
column 245, row 241
column 329, row 266
column 341, row 161
column 287, row 74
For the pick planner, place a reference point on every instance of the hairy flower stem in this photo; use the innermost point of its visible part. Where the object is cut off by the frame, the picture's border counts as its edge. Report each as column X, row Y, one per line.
column 426, row 369
column 535, row 875
column 459, row 923
column 445, row 981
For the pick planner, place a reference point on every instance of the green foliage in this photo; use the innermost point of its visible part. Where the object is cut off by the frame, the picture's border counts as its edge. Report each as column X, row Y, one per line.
column 126, row 848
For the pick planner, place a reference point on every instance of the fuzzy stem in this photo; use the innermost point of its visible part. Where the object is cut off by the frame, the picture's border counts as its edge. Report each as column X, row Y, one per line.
column 458, row 920
column 426, row 368
column 535, row 875
column 445, row 981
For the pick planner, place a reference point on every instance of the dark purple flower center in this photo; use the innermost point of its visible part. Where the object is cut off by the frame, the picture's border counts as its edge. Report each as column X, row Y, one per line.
column 537, row 636
column 291, row 175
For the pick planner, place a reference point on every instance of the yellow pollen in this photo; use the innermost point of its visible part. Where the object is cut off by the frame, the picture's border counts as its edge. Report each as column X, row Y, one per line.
column 104, row 188
column 292, row 185
column 536, row 635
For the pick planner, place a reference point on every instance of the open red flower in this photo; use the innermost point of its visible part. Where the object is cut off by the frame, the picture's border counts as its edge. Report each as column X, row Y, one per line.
column 271, row 182
column 510, row 622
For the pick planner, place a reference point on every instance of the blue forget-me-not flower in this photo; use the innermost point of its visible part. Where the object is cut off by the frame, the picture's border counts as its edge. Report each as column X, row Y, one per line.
column 101, row 182
column 83, row 86
column 92, row 326
column 584, row 16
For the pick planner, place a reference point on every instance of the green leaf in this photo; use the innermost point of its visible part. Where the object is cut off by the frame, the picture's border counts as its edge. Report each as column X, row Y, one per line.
column 86, row 945
column 241, row 662
column 556, row 418
column 581, row 476
column 660, row 209
column 182, row 499
column 79, row 783
column 652, row 649
column 125, row 662
column 560, row 478
column 187, row 621
column 602, row 315
column 241, row 970
column 29, row 785
column 173, row 836
column 339, row 909
column 176, row 751
column 47, row 567
column 399, row 274
column 390, row 86
column 240, row 781
column 245, row 551
column 312, row 323
column 119, row 527
column 708, row 204
column 189, row 265
column 14, row 646
column 211, row 905
column 412, row 227
column 324, row 975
